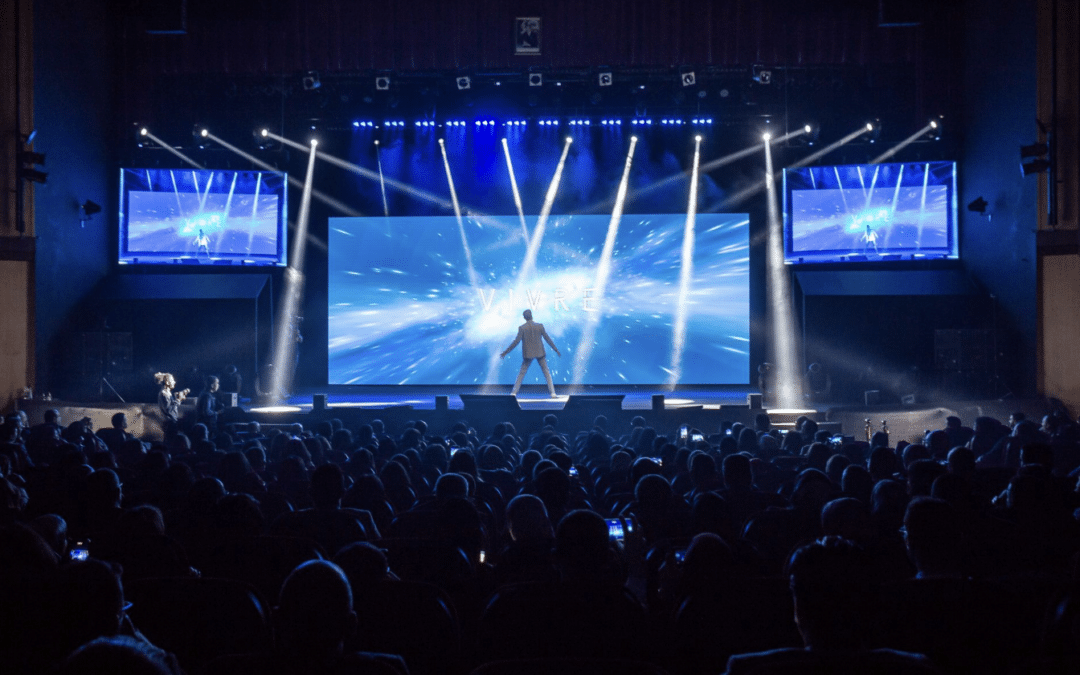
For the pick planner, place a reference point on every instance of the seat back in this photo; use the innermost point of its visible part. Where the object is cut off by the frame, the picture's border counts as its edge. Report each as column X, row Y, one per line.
column 567, row 666
column 262, row 561
column 413, row 619
column 745, row 615
column 555, row 620
column 200, row 619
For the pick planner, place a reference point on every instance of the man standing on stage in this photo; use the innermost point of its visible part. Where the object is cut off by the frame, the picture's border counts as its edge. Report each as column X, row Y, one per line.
column 529, row 334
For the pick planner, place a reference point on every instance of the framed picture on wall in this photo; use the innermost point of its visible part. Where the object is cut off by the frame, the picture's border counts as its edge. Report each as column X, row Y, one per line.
column 527, row 35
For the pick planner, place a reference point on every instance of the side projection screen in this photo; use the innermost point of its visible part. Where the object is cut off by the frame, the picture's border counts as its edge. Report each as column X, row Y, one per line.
column 202, row 217
column 432, row 301
column 870, row 212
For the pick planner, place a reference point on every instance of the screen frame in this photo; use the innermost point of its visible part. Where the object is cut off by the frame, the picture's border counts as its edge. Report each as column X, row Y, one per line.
column 144, row 179
column 944, row 173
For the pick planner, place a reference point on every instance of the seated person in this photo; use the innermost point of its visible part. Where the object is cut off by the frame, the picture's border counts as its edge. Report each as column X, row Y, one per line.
column 831, row 584
column 115, row 436
column 313, row 619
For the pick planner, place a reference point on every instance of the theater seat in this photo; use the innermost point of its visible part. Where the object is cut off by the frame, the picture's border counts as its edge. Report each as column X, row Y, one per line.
column 568, row 667
column 746, row 615
column 262, row 561
column 200, row 619
column 555, row 620
column 413, row 619
column 965, row 626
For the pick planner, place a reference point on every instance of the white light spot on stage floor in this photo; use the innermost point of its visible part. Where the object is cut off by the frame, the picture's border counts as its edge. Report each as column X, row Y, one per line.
column 276, row 409
column 678, row 401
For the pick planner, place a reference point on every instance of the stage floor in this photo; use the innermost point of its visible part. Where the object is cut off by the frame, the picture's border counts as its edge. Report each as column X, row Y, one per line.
column 529, row 398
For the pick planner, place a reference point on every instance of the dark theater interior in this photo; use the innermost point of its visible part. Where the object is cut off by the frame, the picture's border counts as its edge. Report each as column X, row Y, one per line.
column 761, row 319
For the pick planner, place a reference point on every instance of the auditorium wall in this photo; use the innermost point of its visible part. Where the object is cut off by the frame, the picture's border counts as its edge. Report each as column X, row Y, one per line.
column 75, row 103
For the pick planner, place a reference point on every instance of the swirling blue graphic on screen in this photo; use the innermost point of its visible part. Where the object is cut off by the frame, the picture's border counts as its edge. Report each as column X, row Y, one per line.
column 403, row 311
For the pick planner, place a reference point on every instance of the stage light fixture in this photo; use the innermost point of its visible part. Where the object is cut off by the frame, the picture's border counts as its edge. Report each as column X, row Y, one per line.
column 633, row 139
column 140, row 136
column 766, row 136
column 90, row 208
column 937, row 126
column 569, row 140
column 761, row 75
column 1039, row 154
column 689, row 79
column 314, row 142
column 873, row 130
column 604, row 79
column 311, row 81
column 200, row 135
column 1036, row 166
column 1034, row 150
column 536, row 80
column 262, row 139
column 978, row 206
column 698, row 138
column 464, row 82
column 382, row 83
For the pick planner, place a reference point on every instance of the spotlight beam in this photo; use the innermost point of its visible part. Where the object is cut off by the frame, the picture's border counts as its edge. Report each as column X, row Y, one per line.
column 294, row 182
column 372, row 175
column 746, row 193
column 382, row 181
column 686, row 275
column 708, row 166
column 473, row 279
column 603, row 272
column 902, row 144
column 173, row 150
column 517, row 194
column 784, row 343
column 529, row 264
column 287, row 324
column 813, row 157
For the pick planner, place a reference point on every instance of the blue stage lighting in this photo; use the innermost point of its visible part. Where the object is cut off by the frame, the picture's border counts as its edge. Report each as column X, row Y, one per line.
column 356, row 125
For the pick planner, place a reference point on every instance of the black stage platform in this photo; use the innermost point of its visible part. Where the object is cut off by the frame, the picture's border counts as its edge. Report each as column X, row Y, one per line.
column 702, row 407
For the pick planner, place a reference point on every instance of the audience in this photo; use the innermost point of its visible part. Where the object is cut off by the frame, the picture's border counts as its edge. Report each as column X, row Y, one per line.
column 478, row 513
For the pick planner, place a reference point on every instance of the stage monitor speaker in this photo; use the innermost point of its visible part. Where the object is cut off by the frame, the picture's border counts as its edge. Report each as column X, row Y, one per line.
column 657, row 402
column 754, row 401
column 490, row 403
column 318, row 403
column 442, row 403
column 597, row 403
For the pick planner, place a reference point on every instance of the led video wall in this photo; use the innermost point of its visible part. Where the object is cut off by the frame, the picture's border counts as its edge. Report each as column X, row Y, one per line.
column 202, row 217
column 431, row 301
column 870, row 212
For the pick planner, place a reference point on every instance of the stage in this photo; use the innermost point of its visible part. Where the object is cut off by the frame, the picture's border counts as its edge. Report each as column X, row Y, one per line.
column 531, row 397
column 704, row 408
